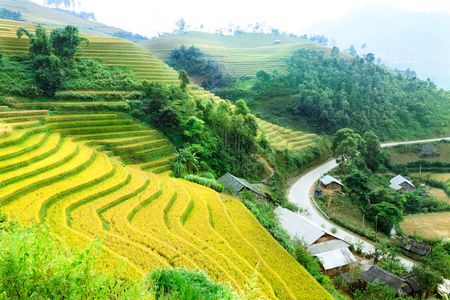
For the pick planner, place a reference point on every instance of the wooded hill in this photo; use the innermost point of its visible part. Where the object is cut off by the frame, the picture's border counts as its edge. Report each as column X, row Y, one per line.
column 315, row 87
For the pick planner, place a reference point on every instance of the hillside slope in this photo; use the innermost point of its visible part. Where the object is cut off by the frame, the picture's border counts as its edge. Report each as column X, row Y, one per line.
column 35, row 13
column 110, row 50
column 243, row 54
column 151, row 220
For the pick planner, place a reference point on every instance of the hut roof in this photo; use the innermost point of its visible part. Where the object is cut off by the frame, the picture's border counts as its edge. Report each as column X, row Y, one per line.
column 327, row 246
column 326, row 180
column 397, row 180
column 415, row 246
column 237, row 184
column 374, row 274
column 297, row 225
column 414, row 282
column 336, row 258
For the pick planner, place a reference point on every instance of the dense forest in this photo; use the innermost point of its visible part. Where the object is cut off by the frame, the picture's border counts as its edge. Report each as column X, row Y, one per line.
column 331, row 93
column 334, row 93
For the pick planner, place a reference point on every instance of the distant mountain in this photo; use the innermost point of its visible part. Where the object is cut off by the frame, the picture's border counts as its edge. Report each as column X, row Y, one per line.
column 401, row 39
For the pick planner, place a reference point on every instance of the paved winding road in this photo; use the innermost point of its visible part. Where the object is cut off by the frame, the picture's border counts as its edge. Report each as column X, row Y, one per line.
column 299, row 194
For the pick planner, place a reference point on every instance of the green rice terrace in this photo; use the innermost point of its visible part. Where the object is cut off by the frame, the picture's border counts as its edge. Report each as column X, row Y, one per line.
column 88, row 172
column 242, row 54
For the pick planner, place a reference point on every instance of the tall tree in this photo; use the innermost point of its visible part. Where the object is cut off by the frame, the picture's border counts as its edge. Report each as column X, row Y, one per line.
column 52, row 55
column 183, row 76
column 66, row 42
column 345, row 146
column 371, row 150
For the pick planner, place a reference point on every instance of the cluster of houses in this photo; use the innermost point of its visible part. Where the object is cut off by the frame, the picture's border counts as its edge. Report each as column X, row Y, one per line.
column 335, row 257
column 331, row 250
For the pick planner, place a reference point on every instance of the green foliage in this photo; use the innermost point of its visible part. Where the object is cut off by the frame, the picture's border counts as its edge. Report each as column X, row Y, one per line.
column 424, row 165
column 221, row 137
column 377, row 291
column 52, row 56
column 345, row 146
column 89, row 74
column 33, row 265
column 183, row 76
column 66, row 42
column 371, row 151
column 10, row 15
column 39, row 42
column 49, row 73
column 385, row 215
column 419, row 202
column 331, row 93
column 358, row 183
column 17, row 76
column 193, row 62
column 187, row 157
column 180, row 283
column 211, row 183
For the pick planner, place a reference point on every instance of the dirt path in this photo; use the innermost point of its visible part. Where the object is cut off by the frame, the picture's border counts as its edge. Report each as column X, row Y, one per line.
column 269, row 166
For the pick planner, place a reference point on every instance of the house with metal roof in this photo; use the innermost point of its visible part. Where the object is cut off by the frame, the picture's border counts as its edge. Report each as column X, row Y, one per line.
column 401, row 184
column 237, row 185
column 331, row 250
column 330, row 183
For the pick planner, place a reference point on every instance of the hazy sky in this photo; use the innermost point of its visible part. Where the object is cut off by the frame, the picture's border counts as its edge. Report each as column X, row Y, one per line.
column 150, row 17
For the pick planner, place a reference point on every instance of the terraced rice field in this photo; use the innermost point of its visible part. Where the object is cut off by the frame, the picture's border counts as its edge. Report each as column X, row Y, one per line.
column 284, row 137
column 145, row 220
column 242, row 54
column 112, row 51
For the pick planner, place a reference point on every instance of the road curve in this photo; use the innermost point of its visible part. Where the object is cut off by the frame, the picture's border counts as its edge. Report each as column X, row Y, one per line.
column 299, row 194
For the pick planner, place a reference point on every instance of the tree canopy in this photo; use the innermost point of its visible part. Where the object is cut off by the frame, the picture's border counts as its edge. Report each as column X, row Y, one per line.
column 52, row 55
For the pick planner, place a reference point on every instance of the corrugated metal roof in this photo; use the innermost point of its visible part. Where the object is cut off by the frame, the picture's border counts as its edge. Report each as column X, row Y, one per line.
column 297, row 225
column 336, row 258
column 415, row 246
column 414, row 282
column 326, row 180
column 397, row 180
column 327, row 246
column 236, row 184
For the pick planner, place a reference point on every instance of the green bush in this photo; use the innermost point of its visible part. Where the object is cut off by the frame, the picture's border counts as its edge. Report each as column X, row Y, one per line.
column 211, row 183
column 180, row 283
column 33, row 265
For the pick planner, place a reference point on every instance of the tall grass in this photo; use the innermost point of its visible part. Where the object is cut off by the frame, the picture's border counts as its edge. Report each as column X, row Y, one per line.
column 211, row 183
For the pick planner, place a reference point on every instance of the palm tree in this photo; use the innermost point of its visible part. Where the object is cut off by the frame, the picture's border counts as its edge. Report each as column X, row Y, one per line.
column 187, row 157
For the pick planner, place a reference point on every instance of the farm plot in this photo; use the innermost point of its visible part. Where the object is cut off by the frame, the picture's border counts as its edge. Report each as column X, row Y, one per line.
column 150, row 220
column 428, row 225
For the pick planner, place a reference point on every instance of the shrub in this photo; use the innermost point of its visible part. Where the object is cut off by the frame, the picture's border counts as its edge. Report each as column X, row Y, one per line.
column 180, row 283
column 211, row 183
column 33, row 265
